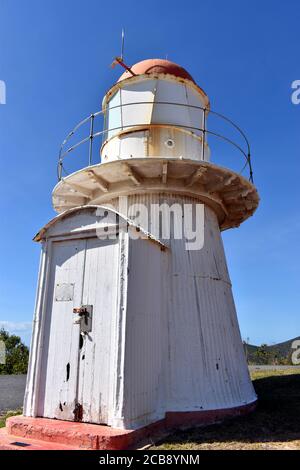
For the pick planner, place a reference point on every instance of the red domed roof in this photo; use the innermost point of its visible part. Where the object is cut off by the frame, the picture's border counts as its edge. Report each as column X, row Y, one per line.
column 157, row 66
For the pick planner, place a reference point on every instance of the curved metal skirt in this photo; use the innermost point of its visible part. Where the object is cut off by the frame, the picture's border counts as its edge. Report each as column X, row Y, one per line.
column 183, row 350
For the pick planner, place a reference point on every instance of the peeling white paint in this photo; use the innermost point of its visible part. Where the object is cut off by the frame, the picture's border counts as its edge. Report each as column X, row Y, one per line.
column 165, row 334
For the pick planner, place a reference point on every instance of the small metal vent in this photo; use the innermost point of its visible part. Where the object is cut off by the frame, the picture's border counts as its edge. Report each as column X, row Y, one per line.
column 170, row 143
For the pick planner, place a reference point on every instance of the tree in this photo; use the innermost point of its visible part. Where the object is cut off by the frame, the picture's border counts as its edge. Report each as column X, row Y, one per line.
column 17, row 354
column 262, row 354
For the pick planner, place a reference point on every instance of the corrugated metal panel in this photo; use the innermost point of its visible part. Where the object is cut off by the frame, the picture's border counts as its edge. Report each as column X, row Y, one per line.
column 144, row 377
column 190, row 307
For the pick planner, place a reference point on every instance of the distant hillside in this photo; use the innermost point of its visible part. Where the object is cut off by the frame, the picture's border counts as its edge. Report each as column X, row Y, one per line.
column 276, row 354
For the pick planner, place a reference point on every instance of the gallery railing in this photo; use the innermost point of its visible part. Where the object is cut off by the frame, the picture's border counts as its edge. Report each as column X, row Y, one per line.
column 92, row 134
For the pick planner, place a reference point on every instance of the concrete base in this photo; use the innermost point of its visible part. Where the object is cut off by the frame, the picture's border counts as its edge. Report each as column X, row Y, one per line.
column 22, row 433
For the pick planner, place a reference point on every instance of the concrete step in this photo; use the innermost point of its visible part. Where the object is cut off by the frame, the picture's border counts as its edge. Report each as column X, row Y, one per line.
column 79, row 435
column 45, row 433
column 9, row 442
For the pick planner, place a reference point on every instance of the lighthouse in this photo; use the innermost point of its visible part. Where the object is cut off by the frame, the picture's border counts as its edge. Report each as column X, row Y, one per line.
column 135, row 329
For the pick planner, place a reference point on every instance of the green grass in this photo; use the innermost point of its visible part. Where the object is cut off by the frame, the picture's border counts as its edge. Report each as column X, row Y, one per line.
column 263, row 374
column 274, row 425
column 8, row 415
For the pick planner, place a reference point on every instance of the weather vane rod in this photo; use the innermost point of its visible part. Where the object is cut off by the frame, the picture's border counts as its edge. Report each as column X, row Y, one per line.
column 120, row 60
column 122, row 44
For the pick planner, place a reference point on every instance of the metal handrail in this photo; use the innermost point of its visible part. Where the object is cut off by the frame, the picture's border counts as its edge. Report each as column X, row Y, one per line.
column 92, row 135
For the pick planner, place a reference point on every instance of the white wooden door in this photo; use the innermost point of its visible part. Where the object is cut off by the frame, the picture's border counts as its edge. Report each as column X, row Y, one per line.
column 76, row 367
column 96, row 358
column 57, row 392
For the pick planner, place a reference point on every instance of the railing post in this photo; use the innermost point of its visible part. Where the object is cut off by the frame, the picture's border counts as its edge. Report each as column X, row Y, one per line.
column 250, row 168
column 91, row 139
column 203, row 132
column 105, row 132
column 60, row 164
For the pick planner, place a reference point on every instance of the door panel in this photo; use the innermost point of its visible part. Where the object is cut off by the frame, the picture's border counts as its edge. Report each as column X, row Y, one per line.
column 96, row 359
column 76, row 370
column 60, row 357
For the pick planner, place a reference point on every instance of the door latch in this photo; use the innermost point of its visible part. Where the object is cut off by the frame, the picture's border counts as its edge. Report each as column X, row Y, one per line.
column 84, row 318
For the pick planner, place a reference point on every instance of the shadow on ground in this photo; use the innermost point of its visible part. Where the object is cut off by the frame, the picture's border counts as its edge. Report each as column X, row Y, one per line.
column 276, row 419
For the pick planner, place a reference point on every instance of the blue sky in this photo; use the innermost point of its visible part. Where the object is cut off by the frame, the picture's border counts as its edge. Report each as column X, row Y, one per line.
column 55, row 58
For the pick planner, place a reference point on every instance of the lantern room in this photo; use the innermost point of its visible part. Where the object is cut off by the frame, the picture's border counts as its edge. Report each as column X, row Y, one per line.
column 155, row 109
